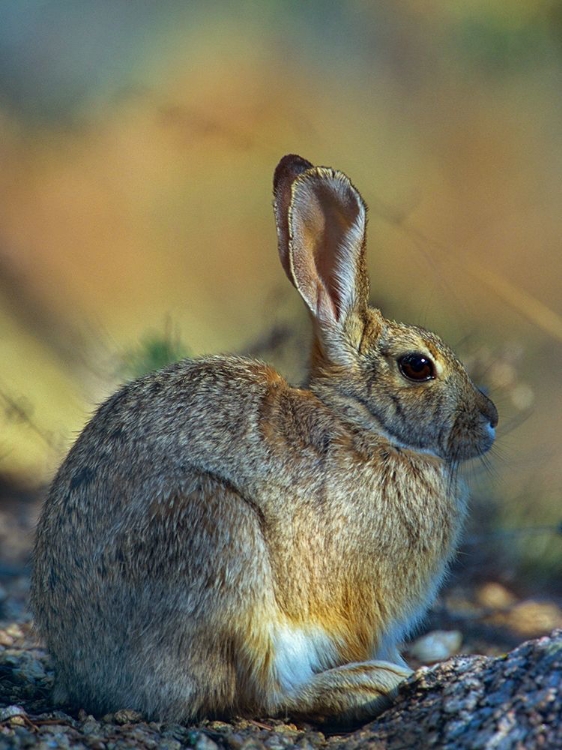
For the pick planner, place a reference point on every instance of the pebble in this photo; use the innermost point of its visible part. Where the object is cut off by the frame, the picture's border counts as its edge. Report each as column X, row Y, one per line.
column 10, row 712
column 14, row 631
column 6, row 639
column 493, row 595
column 436, row 646
column 530, row 618
column 17, row 721
column 127, row 716
column 201, row 741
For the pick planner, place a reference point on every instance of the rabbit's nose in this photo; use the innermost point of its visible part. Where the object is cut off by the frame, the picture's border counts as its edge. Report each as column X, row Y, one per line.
column 489, row 411
column 491, row 433
column 492, row 414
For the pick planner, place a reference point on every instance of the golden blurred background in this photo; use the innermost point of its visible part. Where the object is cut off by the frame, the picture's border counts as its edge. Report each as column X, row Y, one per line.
column 137, row 145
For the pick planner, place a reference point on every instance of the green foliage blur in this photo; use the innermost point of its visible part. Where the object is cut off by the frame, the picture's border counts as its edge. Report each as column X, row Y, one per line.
column 154, row 351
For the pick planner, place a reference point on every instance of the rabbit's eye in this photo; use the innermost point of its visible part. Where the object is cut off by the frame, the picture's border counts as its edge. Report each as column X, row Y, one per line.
column 416, row 367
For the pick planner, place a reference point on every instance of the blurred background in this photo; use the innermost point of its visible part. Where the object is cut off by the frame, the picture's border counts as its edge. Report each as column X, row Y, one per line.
column 137, row 145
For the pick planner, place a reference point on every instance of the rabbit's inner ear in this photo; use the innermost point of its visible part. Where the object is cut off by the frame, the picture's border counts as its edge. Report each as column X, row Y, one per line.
column 327, row 233
column 286, row 173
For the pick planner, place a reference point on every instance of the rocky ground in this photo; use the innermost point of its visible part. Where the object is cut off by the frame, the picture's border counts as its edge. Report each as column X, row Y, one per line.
column 489, row 676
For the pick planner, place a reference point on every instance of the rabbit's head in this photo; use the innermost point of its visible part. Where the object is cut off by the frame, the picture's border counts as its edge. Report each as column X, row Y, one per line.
column 398, row 380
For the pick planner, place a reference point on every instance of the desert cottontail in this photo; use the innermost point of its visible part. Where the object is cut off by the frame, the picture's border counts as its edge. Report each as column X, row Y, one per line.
column 219, row 542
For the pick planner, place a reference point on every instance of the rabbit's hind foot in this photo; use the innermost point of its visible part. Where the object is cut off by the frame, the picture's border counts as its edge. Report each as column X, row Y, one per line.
column 351, row 693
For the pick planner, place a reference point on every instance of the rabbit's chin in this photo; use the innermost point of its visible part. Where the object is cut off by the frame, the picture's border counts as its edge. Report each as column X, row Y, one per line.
column 459, row 450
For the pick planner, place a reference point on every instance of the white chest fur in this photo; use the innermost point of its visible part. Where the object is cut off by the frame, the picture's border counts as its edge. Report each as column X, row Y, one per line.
column 299, row 652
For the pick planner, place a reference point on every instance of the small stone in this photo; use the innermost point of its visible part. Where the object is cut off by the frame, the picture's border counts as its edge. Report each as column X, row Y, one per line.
column 312, row 740
column 127, row 716
column 493, row 595
column 532, row 618
column 436, row 646
column 91, row 726
column 201, row 741
column 169, row 744
column 6, row 639
column 219, row 726
column 14, row 630
column 529, row 618
column 17, row 721
column 286, row 728
column 252, row 744
column 10, row 712
column 278, row 742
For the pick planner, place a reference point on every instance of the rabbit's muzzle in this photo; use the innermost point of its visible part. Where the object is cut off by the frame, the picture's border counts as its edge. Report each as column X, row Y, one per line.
column 474, row 431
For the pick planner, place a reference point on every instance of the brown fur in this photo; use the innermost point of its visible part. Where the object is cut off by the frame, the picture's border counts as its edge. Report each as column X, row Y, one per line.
column 218, row 541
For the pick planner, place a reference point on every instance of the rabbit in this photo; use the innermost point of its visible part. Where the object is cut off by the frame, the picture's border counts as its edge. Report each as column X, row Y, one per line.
column 220, row 543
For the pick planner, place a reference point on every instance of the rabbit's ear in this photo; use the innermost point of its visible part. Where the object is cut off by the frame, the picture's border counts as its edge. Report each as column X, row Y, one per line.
column 321, row 221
